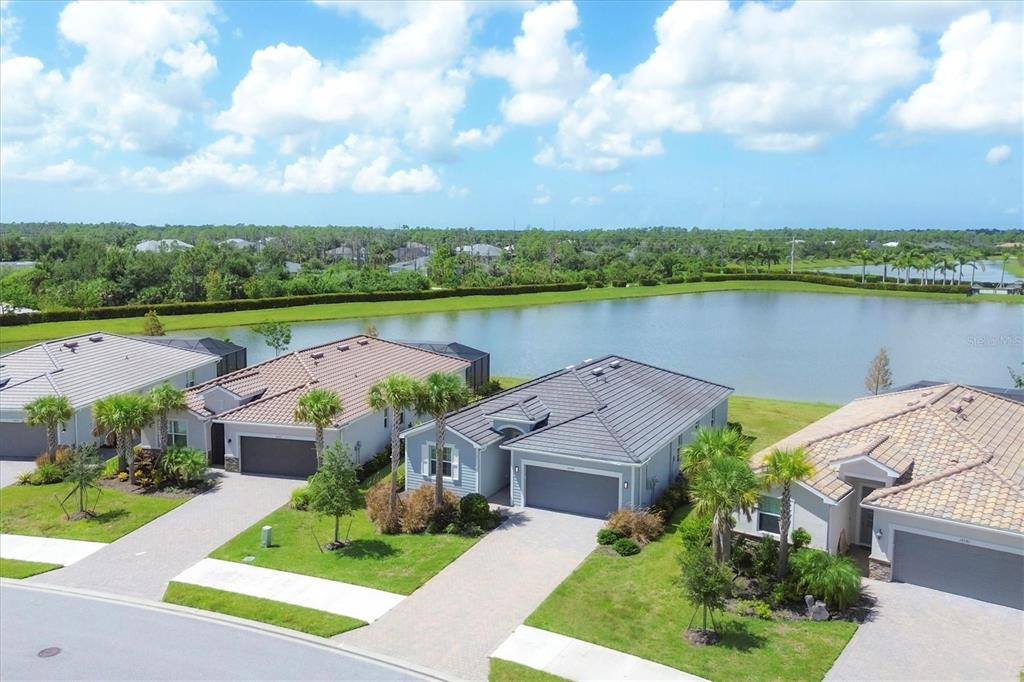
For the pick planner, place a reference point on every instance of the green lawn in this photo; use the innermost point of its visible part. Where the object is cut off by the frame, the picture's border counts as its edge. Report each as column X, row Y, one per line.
column 13, row 568
column 770, row 420
column 1015, row 266
column 395, row 563
column 34, row 510
column 311, row 621
column 15, row 335
column 507, row 671
column 633, row 604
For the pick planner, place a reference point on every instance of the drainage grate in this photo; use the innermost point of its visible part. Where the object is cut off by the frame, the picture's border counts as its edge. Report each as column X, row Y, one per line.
column 49, row 652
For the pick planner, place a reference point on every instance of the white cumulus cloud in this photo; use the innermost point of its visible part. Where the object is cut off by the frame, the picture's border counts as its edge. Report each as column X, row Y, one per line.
column 998, row 154
column 622, row 188
column 477, row 138
column 587, row 201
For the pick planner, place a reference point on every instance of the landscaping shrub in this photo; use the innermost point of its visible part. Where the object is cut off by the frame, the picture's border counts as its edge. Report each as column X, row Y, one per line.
column 474, row 508
column 607, row 536
column 645, row 282
column 835, row 579
column 695, row 532
column 755, row 608
column 801, row 538
column 110, row 468
column 673, row 497
column 420, row 513
column 836, row 280
column 626, row 547
column 615, row 283
column 742, row 558
column 765, row 558
column 379, row 462
column 489, row 388
column 47, row 473
column 184, row 465
column 642, row 525
column 300, row 498
column 377, row 508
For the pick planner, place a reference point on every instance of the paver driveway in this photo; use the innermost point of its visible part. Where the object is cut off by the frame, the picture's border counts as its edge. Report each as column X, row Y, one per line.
column 141, row 563
column 456, row 621
column 922, row 634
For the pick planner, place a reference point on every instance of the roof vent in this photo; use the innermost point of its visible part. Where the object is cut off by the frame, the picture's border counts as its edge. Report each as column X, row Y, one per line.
column 588, row 360
column 3, row 382
column 968, row 397
column 96, row 339
column 614, row 364
column 597, row 371
column 344, row 347
column 72, row 345
column 363, row 342
column 316, row 356
column 958, row 408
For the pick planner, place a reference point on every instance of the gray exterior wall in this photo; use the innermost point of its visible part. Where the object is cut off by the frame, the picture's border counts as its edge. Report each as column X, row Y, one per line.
column 416, row 452
column 495, row 469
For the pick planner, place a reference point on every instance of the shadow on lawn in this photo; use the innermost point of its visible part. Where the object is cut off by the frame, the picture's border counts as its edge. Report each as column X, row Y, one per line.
column 737, row 635
column 367, row 549
column 107, row 516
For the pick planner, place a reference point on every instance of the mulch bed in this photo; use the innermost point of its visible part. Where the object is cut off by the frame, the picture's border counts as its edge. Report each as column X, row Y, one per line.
column 126, row 487
column 699, row 637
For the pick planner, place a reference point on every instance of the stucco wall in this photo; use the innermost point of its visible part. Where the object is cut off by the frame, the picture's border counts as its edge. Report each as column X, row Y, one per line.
column 889, row 522
column 416, row 452
column 810, row 512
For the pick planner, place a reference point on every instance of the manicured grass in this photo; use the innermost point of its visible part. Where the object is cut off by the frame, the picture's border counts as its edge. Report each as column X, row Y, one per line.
column 770, row 420
column 395, row 563
column 507, row 382
column 13, row 568
column 507, row 671
column 14, row 335
column 34, row 510
column 1015, row 266
column 310, row 621
column 634, row 604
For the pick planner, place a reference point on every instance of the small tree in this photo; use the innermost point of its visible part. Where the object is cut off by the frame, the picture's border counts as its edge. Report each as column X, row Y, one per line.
column 1017, row 379
column 782, row 468
column 706, row 584
column 394, row 393
column 277, row 335
column 879, row 372
column 84, row 468
column 125, row 414
column 319, row 407
column 151, row 325
column 334, row 489
column 439, row 394
column 371, row 330
column 50, row 411
column 724, row 486
column 165, row 398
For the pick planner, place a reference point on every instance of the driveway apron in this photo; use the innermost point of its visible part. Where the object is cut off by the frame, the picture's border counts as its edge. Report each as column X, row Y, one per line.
column 141, row 563
column 456, row 620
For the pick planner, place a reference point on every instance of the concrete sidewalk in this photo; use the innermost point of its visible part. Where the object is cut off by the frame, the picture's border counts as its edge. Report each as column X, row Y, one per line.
column 344, row 599
column 47, row 550
column 457, row 619
column 575, row 659
column 10, row 469
column 141, row 563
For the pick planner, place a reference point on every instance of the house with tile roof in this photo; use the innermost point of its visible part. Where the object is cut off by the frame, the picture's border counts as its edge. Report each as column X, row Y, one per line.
column 84, row 369
column 929, row 481
column 245, row 419
column 587, row 439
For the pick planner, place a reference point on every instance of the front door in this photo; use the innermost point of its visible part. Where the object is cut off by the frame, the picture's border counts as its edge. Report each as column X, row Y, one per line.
column 867, row 517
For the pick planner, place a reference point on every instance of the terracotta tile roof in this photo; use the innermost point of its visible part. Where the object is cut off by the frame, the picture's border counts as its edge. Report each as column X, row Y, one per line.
column 278, row 383
column 959, row 452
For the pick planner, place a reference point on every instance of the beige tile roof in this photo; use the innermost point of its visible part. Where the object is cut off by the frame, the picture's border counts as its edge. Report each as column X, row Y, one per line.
column 959, row 453
column 280, row 382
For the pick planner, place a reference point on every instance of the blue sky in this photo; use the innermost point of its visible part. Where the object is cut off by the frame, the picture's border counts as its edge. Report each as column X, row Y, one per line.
column 493, row 115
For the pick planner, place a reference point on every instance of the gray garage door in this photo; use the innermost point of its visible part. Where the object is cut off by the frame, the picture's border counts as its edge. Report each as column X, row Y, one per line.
column 969, row 570
column 18, row 441
column 571, row 491
column 278, row 456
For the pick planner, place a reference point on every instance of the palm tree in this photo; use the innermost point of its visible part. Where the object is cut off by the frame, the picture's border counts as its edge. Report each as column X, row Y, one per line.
column 395, row 393
column 49, row 411
column 865, row 256
column 781, row 469
column 886, row 257
column 439, row 394
column 707, row 444
column 726, row 484
column 165, row 397
column 973, row 260
column 319, row 407
column 125, row 414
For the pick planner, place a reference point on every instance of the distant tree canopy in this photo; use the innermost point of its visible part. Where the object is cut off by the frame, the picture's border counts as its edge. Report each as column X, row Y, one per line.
column 85, row 266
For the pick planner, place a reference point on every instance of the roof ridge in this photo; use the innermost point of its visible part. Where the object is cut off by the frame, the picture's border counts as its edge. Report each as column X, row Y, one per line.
column 302, row 364
column 625, row 448
column 598, row 403
column 670, row 371
column 945, row 473
column 261, row 399
column 916, row 389
column 850, row 429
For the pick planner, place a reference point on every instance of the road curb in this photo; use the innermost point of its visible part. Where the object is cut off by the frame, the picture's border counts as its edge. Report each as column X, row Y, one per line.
column 232, row 621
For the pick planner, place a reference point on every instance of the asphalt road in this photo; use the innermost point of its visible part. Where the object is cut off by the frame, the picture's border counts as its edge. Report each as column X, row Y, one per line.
column 112, row 640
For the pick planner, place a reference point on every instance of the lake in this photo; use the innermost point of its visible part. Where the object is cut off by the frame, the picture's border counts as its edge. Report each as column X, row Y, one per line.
column 988, row 271
column 800, row 346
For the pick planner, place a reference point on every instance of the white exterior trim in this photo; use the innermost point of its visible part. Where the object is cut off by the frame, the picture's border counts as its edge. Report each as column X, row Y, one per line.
column 447, row 427
column 582, row 459
column 959, row 539
column 959, row 524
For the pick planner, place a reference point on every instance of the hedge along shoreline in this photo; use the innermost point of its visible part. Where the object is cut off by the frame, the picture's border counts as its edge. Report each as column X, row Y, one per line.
column 843, row 281
column 187, row 308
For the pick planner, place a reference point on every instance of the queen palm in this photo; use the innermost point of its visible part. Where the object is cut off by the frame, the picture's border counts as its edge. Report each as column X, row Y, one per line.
column 781, row 469
column 395, row 393
column 723, row 486
column 886, row 257
column 165, row 397
column 865, row 256
column 50, row 411
column 708, row 444
column 439, row 394
column 125, row 414
column 319, row 407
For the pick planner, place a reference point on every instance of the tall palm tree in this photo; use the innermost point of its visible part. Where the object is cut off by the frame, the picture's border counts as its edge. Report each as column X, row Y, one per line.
column 125, row 414
column 886, row 257
column 726, row 485
column 319, row 407
column 974, row 261
column 50, row 411
column 709, row 443
column 166, row 397
column 781, row 469
column 439, row 394
column 395, row 393
column 865, row 256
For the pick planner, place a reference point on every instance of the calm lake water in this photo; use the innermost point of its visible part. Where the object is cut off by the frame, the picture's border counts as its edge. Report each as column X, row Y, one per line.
column 988, row 271
column 786, row 345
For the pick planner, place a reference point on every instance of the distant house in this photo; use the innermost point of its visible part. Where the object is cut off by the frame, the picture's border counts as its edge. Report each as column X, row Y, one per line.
column 586, row 439
column 411, row 251
column 11, row 309
column 84, row 369
column 347, row 253
column 928, row 480
column 230, row 356
column 245, row 419
column 891, row 245
column 237, row 243
column 1010, row 245
column 482, row 251
column 416, row 264
column 152, row 245
column 291, row 267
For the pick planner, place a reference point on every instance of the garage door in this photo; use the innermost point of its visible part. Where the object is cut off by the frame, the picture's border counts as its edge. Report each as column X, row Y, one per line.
column 571, row 491
column 278, row 456
column 18, row 441
column 969, row 570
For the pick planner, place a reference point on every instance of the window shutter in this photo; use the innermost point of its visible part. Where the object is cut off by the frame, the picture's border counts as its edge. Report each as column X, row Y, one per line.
column 426, row 461
column 455, row 465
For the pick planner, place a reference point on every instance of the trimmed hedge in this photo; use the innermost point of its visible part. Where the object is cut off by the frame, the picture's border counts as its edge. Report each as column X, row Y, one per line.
column 839, row 281
column 187, row 308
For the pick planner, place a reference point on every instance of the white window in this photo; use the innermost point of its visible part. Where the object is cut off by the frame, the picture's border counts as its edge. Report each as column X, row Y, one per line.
column 450, row 463
column 177, row 434
column 190, row 378
column 768, row 514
